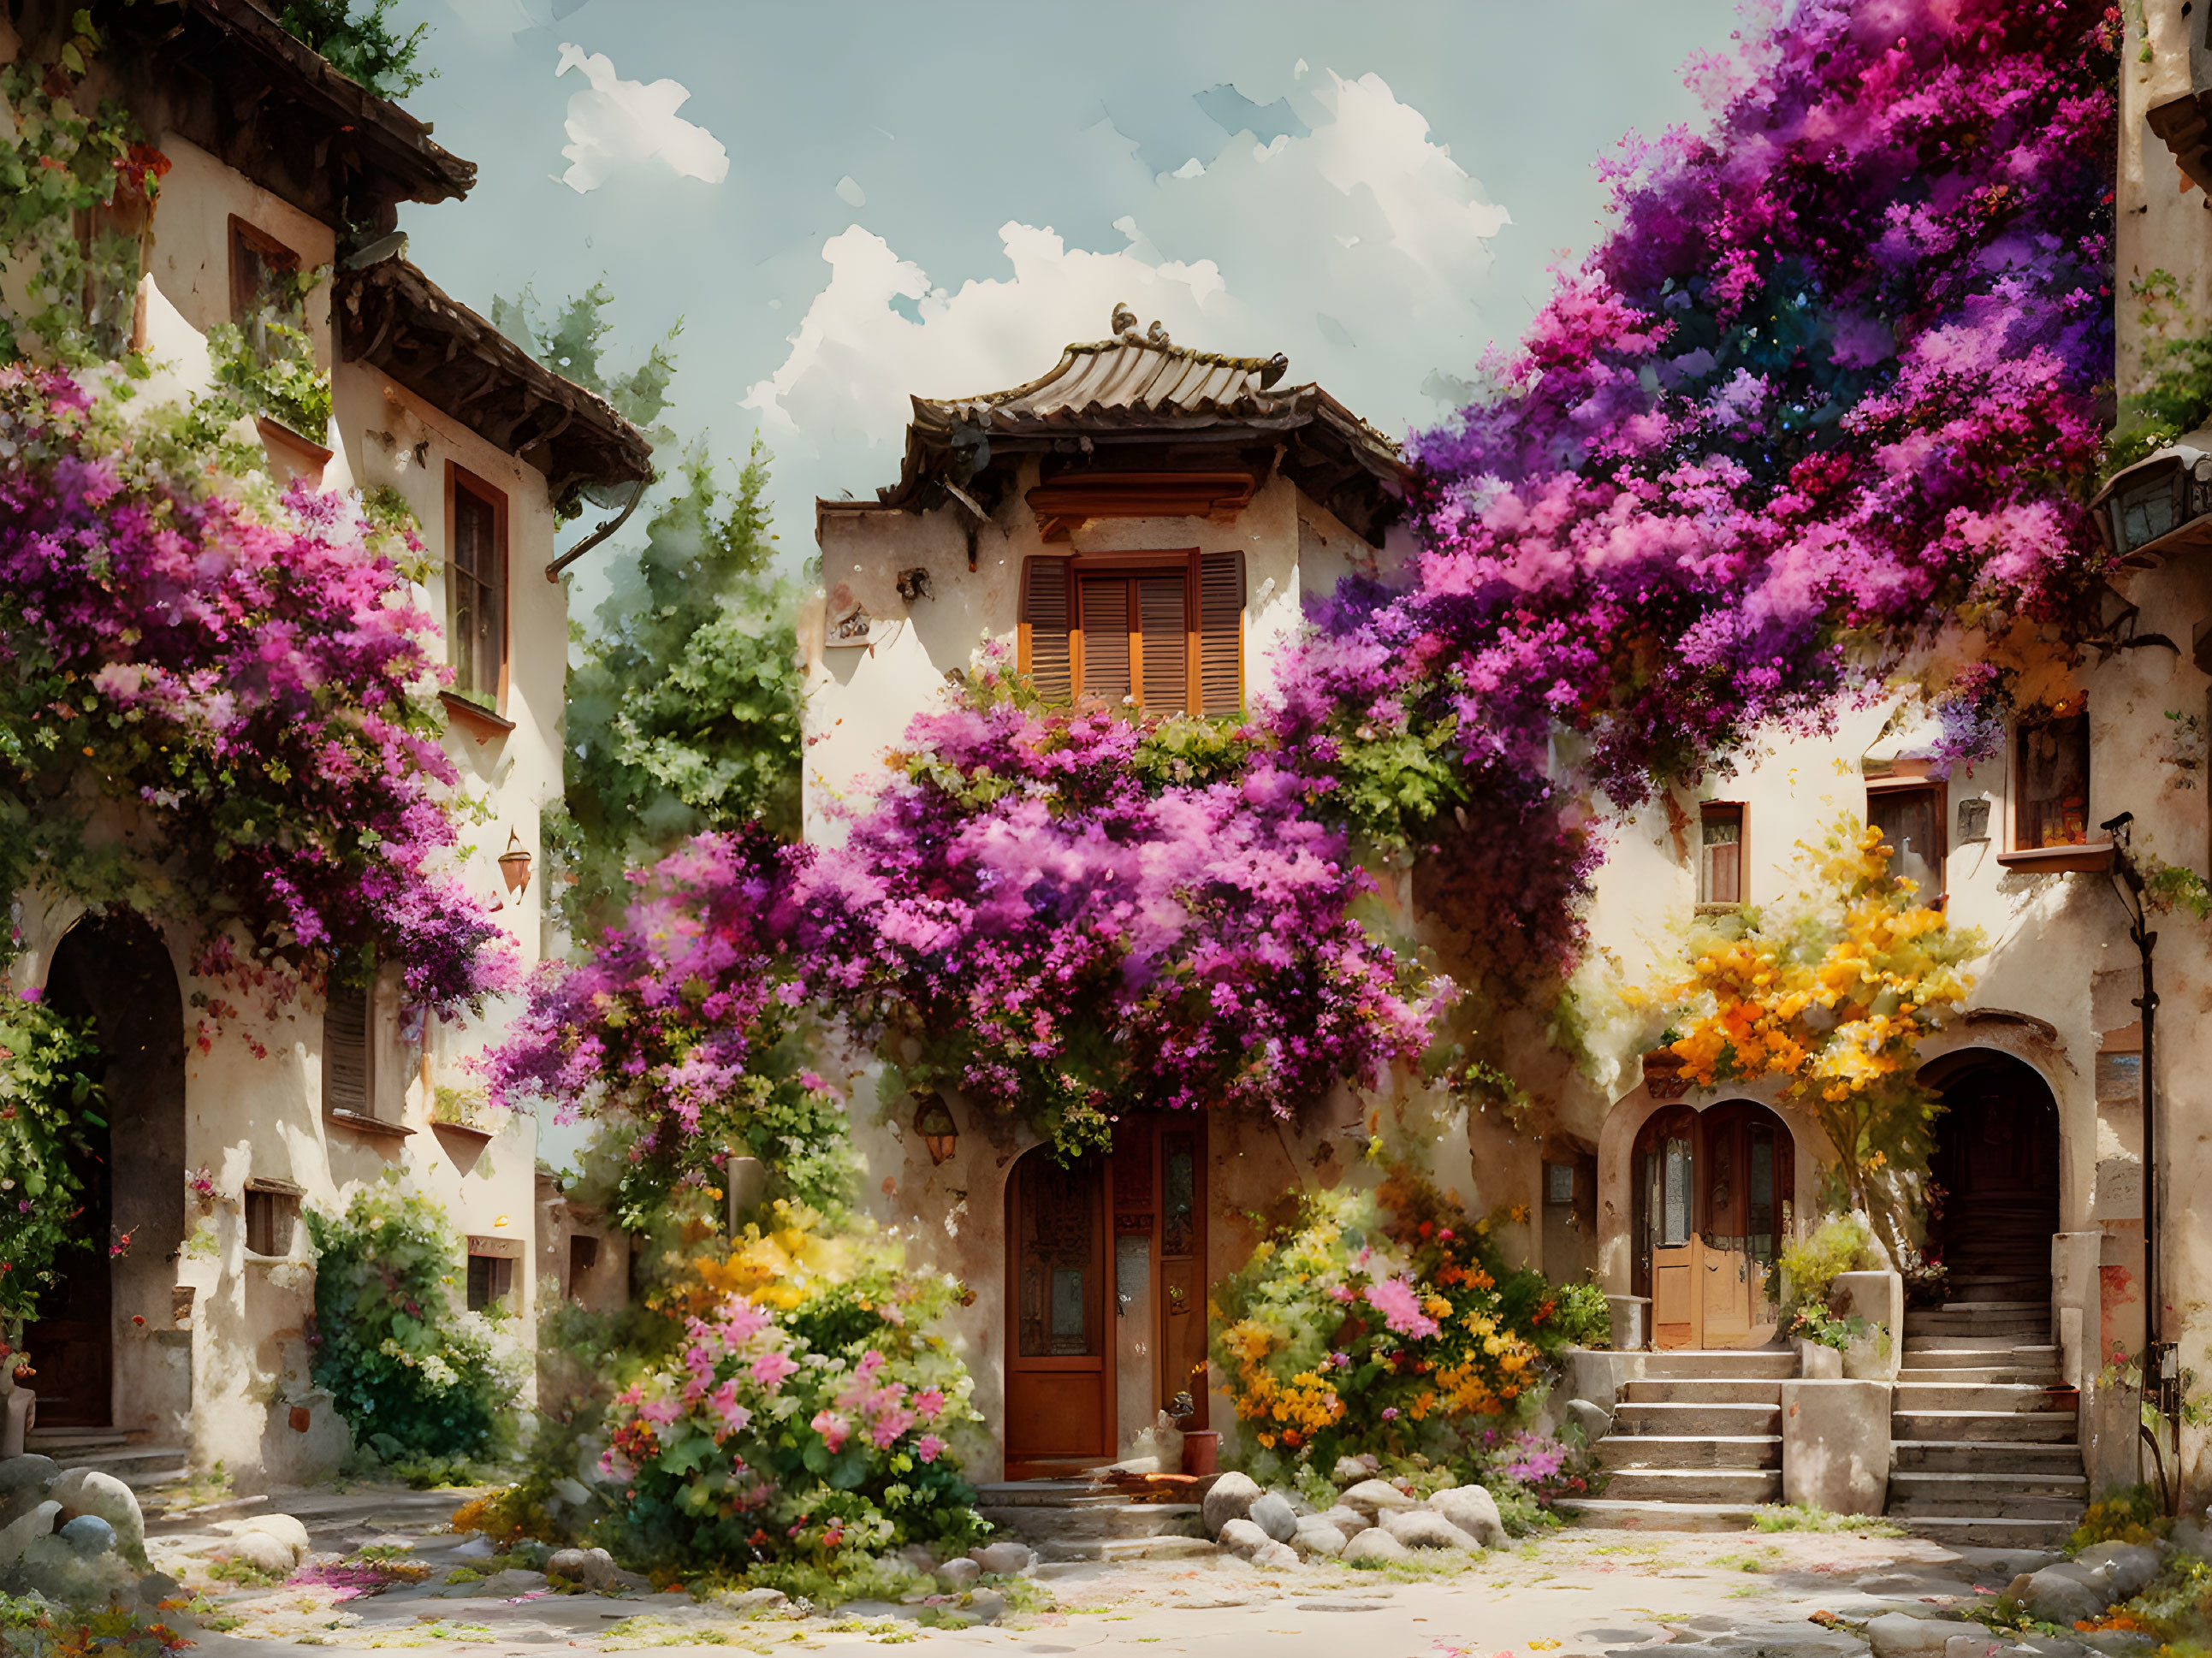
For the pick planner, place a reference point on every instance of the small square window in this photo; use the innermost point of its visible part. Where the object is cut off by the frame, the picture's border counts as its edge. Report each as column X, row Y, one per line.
column 1911, row 822
column 491, row 1281
column 1559, row 1183
column 271, row 1209
column 1720, row 853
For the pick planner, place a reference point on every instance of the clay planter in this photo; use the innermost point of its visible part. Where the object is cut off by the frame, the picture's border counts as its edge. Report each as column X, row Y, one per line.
column 1201, row 1451
column 1664, row 1077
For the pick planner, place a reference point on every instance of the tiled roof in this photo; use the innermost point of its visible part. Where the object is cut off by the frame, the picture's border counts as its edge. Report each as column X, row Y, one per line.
column 1137, row 388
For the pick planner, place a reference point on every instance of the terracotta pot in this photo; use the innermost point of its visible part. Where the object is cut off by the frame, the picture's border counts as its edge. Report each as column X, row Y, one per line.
column 1662, row 1075
column 1201, row 1452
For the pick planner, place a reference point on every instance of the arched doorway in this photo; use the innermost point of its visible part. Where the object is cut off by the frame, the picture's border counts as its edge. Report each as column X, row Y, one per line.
column 1060, row 1325
column 114, row 970
column 1996, row 1166
column 1714, row 1197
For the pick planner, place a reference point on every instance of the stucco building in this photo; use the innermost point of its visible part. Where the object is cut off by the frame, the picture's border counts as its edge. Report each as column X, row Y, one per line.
column 192, row 1346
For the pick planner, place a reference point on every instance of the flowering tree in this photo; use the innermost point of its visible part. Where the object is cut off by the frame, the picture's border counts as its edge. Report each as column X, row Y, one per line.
column 1070, row 914
column 250, row 688
column 1829, row 385
column 1834, row 994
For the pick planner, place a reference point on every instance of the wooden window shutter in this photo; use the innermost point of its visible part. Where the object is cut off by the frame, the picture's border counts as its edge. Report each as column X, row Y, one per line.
column 1163, row 634
column 345, row 1050
column 1046, row 652
column 1221, row 632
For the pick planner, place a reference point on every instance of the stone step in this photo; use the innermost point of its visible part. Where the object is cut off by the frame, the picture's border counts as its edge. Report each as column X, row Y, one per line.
column 1686, row 1364
column 1979, row 1375
column 2027, row 1505
column 1046, row 1494
column 1685, row 1419
column 1064, row 1549
column 139, row 1467
column 1690, row 1451
column 1748, row 1485
column 1982, row 1532
column 1981, row 1456
column 59, row 1443
column 1918, row 1398
column 1612, row 1513
column 1968, row 1350
column 1984, row 1304
column 2033, row 1320
column 1038, row 1524
column 1991, row 1489
column 1989, row 1427
column 1702, row 1390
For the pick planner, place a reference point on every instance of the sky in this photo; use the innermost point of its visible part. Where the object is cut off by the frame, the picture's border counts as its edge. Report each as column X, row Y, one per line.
column 848, row 201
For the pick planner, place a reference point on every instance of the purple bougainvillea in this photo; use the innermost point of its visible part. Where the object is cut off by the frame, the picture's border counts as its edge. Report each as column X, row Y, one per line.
column 219, row 715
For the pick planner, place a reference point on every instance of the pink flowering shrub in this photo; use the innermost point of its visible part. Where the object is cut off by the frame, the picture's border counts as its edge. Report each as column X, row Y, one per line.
column 250, row 690
column 806, row 1420
column 1074, row 914
column 1828, row 387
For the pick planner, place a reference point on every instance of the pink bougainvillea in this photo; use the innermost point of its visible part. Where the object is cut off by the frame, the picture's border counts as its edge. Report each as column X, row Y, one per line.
column 253, row 689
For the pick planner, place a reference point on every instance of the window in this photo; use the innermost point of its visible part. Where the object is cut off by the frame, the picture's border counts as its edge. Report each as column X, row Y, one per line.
column 491, row 1276
column 476, row 589
column 1559, row 1183
column 347, row 1023
column 1165, row 630
column 2052, row 800
column 583, row 1255
column 271, row 1206
column 1720, row 853
column 1911, row 821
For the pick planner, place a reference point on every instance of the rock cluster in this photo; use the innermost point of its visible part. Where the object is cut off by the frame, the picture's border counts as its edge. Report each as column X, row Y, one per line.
column 73, row 1535
column 1371, row 1520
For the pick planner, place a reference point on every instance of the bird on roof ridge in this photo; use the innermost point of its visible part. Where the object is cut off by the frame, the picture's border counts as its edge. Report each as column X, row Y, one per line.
column 1124, row 324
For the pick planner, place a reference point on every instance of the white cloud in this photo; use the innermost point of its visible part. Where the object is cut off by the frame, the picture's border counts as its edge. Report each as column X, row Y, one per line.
column 1359, row 248
column 850, row 193
column 613, row 124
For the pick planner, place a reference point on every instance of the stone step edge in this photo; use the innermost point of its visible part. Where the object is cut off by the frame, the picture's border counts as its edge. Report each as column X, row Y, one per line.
column 1609, row 1514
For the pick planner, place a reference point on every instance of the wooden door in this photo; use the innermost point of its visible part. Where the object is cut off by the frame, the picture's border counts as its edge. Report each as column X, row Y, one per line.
column 1183, row 1266
column 1714, row 1199
column 1059, row 1328
column 1665, row 1224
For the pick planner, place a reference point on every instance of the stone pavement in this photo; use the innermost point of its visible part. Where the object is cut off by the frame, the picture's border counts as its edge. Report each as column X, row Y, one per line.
column 1578, row 1593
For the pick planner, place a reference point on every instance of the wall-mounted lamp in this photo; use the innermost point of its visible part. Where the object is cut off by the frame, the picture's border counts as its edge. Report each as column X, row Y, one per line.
column 932, row 1120
column 514, row 864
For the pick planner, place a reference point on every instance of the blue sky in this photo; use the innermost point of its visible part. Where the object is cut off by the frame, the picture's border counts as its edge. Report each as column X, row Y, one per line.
column 847, row 201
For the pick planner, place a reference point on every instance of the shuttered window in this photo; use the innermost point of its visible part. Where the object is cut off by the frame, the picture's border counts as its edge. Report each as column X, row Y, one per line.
column 1169, row 635
column 345, row 1051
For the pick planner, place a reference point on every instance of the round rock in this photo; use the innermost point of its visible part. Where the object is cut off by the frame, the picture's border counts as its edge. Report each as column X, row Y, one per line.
column 18, row 1536
column 1004, row 1559
column 1374, row 1543
column 1475, row 1511
column 1316, row 1536
column 23, row 1473
column 1230, row 1497
column 1273, row 1514
column 1272, row 1556
column 1421, row 1528
column 87, row 1535
column 1241, row 1537
column 89, row 1492
column 960, row 1573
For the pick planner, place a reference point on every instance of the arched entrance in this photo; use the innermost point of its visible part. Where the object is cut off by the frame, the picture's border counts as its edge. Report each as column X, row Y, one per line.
column 115, row 971
column 1714, row 1196
column 1995, row 1165
column 1059, row 1325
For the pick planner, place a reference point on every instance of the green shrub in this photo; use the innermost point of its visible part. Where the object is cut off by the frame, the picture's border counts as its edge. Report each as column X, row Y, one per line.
column 47, row 1095
column 409, row 1372
column 1841, row 1243
column 2129, row 1515
column 1580, row 1316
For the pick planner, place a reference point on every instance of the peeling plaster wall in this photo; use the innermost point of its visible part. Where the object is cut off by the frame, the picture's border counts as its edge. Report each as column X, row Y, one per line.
column 231, row 1377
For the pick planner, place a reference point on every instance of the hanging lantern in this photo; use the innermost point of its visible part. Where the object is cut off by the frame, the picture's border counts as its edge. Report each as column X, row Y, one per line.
column 932, row 1120
column 514, row 864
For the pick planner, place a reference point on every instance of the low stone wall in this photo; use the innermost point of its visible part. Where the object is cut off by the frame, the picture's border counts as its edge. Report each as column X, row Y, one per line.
column 1836, row 1445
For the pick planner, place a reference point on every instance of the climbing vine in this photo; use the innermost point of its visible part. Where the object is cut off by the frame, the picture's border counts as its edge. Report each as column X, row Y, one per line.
column 48, row 1096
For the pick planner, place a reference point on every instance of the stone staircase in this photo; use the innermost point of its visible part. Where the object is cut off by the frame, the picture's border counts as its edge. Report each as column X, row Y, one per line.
column 1696, row 1443
column 1066, row 1520
column 135, row 1461
column 1986, row 1434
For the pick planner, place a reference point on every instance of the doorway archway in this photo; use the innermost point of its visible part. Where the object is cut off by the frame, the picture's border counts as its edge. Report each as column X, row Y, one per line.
column 114, row 970
column 1996, row 1166
column 1714, row 1198
column 1059, row 1366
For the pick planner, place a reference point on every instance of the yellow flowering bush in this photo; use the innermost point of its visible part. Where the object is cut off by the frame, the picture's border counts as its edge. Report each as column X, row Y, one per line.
column 1833, row 993
column 1380, row 1322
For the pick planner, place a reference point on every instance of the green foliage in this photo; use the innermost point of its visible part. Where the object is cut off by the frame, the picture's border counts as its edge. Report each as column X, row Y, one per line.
column 266, row 365
column 1815, row 1323
column 1580, row 1315
column 1841, row 1243
column 57, row 164
column 2175, row 395
column 403, row 1363
column 1394, row 781
column 1798, row 1517
column 48, row 1094
column 2130, row 1513
column 2174, row 886
column 683, row 701
column 362, row 48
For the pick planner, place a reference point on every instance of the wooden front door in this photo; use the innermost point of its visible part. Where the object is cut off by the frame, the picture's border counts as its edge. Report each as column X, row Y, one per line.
column 1159, row 1251
column 1714, row 1199
column 1060, row 1319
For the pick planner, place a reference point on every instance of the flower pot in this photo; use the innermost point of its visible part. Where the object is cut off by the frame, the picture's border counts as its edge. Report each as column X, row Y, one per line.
column 1201, row 1452
column 1664, row 1077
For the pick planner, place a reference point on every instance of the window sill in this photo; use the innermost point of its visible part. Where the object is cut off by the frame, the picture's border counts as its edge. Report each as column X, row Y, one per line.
column 2092, row 857
column 482, row 722
column 467, row 1132
column 367, row 1125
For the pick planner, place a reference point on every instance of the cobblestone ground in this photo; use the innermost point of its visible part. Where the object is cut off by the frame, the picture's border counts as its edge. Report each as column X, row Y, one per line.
column 1571, row 1595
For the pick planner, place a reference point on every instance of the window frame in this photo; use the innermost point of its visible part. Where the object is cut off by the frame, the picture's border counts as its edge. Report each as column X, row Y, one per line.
column 1940, row 793
column 1742, row 813
column 459, row 481
column 2066, row 711
column 246, row 237
column 1132, row 566
column 499, row 1256
column 278, row 1201
column 366, row 1110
